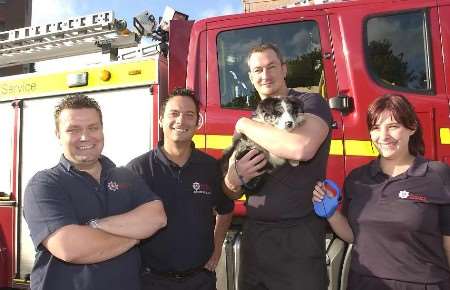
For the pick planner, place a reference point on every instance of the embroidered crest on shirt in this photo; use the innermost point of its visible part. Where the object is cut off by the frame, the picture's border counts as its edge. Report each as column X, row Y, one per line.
column 403, row 194
column 201, row 188
column 113, row 186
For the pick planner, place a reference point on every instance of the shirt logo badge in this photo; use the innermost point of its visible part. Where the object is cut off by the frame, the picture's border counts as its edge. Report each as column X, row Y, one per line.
column 403, row 194
column 201, row 188
column 113, row 186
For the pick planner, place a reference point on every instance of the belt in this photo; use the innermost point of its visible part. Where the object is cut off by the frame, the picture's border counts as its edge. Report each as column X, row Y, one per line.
column 283, row 222
column 175, row 274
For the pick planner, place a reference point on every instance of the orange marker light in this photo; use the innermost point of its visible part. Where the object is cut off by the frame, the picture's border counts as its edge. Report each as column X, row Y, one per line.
column 105, row 75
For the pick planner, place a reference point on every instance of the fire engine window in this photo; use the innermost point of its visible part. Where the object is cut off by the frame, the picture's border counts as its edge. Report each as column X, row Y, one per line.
column 397, row 51
column 299, row 43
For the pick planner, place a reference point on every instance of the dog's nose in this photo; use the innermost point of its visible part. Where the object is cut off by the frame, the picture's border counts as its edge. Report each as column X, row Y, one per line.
column 289, row 124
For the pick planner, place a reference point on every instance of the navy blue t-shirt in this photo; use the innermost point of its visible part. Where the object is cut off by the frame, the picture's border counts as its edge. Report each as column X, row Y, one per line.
column 63, row 196
column 287, row 193
column 190, row 194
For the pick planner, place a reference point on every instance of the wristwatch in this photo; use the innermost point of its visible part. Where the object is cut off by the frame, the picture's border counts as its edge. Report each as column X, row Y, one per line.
column 93, row 223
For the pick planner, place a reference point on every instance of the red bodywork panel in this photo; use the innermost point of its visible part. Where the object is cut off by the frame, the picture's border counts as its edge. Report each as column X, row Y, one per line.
column 346, row 72
column 193, row 62
column 7, row 246
column 178, row 52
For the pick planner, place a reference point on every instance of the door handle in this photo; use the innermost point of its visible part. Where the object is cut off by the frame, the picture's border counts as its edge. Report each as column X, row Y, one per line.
column 342, row 103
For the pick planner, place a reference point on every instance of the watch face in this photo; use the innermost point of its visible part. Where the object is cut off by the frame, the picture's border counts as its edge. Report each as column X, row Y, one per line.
column 93, row 223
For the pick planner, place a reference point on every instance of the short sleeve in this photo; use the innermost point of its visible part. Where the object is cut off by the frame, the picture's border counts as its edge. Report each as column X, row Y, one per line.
column 224, row 204
column 316, row 105
column 443, row 170
column 46, row 207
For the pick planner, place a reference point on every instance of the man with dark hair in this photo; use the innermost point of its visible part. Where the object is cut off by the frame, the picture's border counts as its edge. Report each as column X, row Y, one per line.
column 283, row 245
column 184, row 255
column 85, row 214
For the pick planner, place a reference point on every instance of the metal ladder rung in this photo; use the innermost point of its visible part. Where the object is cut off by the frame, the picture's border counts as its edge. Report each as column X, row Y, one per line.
column 75, row 36
column 102, row 20
column 60, row 42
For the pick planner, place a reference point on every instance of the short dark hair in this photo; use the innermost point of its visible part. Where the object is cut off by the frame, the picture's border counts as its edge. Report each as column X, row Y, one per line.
column 76, row 101
column 263, row 47
column 183, row 92
column 403, row 112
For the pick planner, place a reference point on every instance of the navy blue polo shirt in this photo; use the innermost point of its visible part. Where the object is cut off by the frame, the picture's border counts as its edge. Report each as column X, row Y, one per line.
column 190, row 194
column 399, row 222
column 63, row 196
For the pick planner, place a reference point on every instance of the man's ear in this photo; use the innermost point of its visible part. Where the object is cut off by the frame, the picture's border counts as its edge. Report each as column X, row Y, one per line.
column 160, row 121
column 200, row 121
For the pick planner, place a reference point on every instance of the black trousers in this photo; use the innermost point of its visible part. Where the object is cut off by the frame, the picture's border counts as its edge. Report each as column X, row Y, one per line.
column 288, row 255
column 203, row 280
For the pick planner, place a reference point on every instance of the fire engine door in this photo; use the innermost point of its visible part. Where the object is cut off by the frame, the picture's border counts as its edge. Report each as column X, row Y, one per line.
column 389, row 50
column 305, row 45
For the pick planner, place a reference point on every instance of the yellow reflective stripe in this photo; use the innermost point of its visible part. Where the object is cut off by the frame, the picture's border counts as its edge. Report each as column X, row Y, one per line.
column 219, row 141
column 444, row 134
column 123, row 74
column 352, row 147
column 336, row 147
column 199, row 141
column 360, row 148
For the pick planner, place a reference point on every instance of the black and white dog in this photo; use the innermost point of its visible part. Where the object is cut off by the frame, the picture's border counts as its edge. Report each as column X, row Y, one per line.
column 284, row 113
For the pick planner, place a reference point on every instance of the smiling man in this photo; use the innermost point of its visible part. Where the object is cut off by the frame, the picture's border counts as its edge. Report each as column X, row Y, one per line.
column 85, row 215
column 283, row 240
column 184, row 255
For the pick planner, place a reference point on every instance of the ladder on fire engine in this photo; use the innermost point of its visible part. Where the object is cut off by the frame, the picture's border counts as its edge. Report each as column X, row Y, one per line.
column 75, row 36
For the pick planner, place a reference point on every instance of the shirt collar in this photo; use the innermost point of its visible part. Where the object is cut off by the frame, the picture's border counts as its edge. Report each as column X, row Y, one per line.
column 161, row 156
column 374, row 167
column 104, row 161
column 418, row 168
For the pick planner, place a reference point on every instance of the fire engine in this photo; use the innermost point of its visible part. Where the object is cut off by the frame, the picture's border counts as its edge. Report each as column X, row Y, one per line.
column 350, row 52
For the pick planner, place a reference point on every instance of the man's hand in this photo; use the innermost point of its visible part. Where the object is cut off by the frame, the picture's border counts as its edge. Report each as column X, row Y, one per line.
column 211, row 265
column 223, row 222
column 248, row 167
column 243, row 170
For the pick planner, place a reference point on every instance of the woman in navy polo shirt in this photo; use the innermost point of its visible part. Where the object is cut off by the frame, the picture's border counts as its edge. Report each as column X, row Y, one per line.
column 396, row 208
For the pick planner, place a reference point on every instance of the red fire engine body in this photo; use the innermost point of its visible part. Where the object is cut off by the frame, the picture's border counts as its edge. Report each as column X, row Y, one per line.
column 350, row 52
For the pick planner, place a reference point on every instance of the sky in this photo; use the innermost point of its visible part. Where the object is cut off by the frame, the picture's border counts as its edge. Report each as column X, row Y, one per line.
column 50, row 11
column 47, row 11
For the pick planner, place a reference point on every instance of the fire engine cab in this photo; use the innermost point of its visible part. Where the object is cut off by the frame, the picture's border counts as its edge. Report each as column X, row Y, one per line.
column 350, row 52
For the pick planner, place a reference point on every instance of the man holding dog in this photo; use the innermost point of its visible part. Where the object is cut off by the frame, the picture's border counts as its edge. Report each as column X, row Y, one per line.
column 283, row 244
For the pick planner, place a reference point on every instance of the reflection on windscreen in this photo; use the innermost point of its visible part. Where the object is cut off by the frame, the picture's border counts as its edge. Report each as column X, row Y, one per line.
column 397, row 50
column 299, row 43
